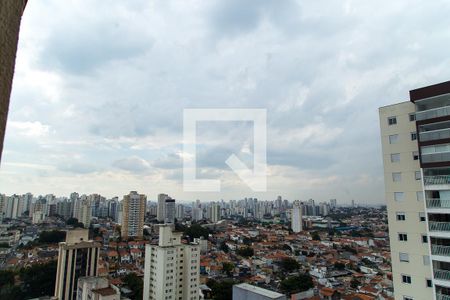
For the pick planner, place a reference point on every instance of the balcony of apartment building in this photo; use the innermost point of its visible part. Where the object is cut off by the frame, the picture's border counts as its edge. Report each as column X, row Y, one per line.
column 441, row 273
column 442, row 293
column 433, row 107
column 436, row 178
column 438, row 201
column 439, row 224
column 440, row 248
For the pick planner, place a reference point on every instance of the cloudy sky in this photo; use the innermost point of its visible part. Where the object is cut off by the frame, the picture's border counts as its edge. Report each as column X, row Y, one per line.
column 100, row 88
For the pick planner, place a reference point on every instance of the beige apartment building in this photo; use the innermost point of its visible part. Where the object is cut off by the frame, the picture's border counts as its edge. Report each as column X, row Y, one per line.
column 415, row 137
column 133, row 214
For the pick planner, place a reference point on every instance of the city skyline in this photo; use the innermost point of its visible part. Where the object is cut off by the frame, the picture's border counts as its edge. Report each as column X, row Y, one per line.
column 102, row 112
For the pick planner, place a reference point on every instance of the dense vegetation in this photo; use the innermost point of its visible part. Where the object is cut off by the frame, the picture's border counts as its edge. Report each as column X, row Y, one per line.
column 245, row 251
column 34, row 281
column 296, row 284
column 221, row 290
column 52, row 237
column 135, row 284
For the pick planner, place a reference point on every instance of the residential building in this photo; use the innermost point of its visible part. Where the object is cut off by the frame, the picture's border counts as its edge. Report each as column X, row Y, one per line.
column 245, row 291
column 160, row 213
column 296, row 217
column 133, row 214
column 416, row 154
column 77, row 257
column 172, row 269
column 96, row 288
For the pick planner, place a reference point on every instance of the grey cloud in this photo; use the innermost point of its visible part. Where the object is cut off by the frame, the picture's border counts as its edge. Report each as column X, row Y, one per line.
column 79, row 168
column 132, row 164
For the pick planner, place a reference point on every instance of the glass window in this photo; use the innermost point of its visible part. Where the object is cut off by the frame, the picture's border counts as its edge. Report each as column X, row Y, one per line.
column 404, row 257
column 392, row 120
column 418, row 175
column 413, row 136
column 397, row 176
column 403, row 237
column 399, row 196
column 422, row 217
column 395, row 157
column 401, row 216
column 415, row 155
column 412, row 117
column 406, row 279
column 393, row 139
column 419, row 196
column 426, row 260
column 429, row 283
column 424, row 239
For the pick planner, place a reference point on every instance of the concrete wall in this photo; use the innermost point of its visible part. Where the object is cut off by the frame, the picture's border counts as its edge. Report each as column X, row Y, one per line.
column 10, row 16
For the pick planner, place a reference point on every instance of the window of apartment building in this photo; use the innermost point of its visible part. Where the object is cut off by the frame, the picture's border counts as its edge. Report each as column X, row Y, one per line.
column 406, row 279
column 415, row 155
column 401, row 216
column 413, row 136
column 429, row 283
column 419, row 196
column 412, row 117
column 399, row 196
column 426, row 260
column 395, row 157
column 424, row 238
column 396, row 176
column 404, row 257
column 393, row 139
column 418, row 175
column 402, row 237
column 407, row 298
column 392, row 120
column 422, row 217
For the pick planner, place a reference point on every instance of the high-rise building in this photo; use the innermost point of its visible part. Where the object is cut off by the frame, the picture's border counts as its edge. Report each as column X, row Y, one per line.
column 97, row 288
column 169, row 211
column 171, row 268
column 160, row 213
column 333, row 203
column 416, row 154
column 214, row 212
column 78, row 256
column 180, row 212
column 296, row 217
column 85, row 212
column 133, row 214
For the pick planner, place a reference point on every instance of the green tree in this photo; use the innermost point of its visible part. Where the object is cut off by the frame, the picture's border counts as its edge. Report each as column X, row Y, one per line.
column 38, row 280
column 315, row 236
column 224, row 247
column 52, row 237
column 245, row 251
column 296, row 284
column 221, row 290
column 354, row 283
column 227, row 267
column 135, row 284
column 289, row 264
column 196, row 231
column 6, row 278
column 339, row 266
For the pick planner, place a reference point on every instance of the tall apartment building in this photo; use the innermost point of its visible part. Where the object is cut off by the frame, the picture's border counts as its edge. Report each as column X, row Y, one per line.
column 78, row 257
column 160, row 213
column 296, row 217
column 97, row 288
column 133, row 214
column 416, row 154
column 171, row 268
column 85, row 212
column 166, row 209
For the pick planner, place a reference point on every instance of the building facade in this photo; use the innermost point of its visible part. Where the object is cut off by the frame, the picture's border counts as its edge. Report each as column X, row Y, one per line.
column 416, row 154
column 172, row 269
column 78, row 257
column 133, row 214
column 296, row 217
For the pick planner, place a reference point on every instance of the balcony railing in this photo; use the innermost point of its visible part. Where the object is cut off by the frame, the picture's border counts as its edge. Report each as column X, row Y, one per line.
column 435, row 135
column 440, row 250
column 442, row 297
column 442, row 274
column 433, row 113
column 438, row 203
column 437, row 179
column 439, row 226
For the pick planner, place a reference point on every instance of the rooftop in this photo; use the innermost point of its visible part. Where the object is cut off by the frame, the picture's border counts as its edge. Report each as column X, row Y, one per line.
column 258, row 290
